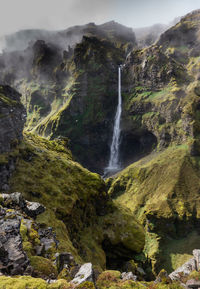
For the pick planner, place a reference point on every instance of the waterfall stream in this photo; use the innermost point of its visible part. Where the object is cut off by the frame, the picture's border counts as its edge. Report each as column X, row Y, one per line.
column 114, row 163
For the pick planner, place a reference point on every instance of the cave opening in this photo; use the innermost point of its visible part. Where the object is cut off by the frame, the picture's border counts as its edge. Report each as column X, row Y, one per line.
column 134, row 146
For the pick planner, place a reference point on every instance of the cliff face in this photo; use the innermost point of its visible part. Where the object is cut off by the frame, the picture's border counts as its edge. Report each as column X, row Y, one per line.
column 72, row 93
column 13, row 117
column 161, row 100
column 79, row 217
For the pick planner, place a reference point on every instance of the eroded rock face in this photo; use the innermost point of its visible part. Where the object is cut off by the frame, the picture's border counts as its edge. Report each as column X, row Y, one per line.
column 13, row 260
column 13, row 117
column 32, row 209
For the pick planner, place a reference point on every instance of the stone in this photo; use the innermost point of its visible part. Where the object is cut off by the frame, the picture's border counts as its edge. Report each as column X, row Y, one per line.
column 32, row 209
column 196, row 254
column 85, row 273
column 185, row 270
column 13, row 260
column 13, row 116
column 64, row 260
column 163, row 277
column 192, row 283
column 14, row 199
column 128, row 276
column 47, row 239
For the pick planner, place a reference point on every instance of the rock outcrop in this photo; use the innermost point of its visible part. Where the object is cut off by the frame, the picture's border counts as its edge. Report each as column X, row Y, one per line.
column 13, row 117
column 13, row 258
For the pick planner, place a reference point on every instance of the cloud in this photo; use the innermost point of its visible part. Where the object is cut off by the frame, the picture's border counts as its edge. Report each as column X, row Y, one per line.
column 60, row 14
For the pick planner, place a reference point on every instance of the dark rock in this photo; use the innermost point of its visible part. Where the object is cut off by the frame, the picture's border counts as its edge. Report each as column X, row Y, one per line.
column 13, row 200
column 64, row 260
column 32, row 209
column 13, row 260
column 47, row 239
column 13, row 116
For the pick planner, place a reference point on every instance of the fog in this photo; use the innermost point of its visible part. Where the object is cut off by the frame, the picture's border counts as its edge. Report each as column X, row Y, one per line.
column 60, row 14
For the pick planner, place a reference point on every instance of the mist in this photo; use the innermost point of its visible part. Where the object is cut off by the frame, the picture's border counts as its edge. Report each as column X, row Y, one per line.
column 56, row 15
column 61, row 14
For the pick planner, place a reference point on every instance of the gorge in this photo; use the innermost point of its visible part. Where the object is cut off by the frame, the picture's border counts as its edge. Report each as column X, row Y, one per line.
column 68, row 115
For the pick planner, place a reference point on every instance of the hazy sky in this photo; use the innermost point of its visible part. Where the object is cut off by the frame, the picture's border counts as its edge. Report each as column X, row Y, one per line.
column 60, row 14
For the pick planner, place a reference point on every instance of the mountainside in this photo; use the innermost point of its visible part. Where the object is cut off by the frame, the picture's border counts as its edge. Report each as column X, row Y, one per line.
column 72, row 93
column 139, row 221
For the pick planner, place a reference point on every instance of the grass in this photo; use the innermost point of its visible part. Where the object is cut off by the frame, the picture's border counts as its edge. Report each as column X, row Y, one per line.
column 163, row 192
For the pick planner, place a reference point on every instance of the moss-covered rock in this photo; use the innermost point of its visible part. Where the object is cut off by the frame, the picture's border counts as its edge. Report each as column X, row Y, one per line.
column 22, row 282
column 43, row 268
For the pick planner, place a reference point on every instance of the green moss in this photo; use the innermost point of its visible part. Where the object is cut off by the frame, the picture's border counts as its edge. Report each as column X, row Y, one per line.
column 111, row 279
column 43, row 267
column 106, row 278
column 65, row 275
column 127, row 231
column 61, row 284
column 22, row 282
column 86, row 285
column 72, row 196
column 162, row 191
column 194, row 275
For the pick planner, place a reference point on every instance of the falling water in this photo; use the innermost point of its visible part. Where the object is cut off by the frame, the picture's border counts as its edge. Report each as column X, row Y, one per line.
column 114, row 164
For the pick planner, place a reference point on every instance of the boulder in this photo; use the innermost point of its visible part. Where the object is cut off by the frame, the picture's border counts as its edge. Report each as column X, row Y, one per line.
column 192, row 283
column 32, row 209
column 64, row 260
column 196, row 254
column 185, row 270
column 128, row 276
column 13, row 260
column 14, row 199
column 85, row 273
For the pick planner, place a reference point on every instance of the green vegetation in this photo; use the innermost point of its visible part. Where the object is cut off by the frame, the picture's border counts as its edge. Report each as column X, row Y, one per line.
column 74, row 199
column 162, row 191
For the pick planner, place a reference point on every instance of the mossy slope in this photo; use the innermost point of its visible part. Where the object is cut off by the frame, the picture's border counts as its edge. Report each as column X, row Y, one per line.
column 162, row 190
column 77, row 205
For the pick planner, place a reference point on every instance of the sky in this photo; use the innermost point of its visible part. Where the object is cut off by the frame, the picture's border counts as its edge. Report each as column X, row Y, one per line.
column 60, row 14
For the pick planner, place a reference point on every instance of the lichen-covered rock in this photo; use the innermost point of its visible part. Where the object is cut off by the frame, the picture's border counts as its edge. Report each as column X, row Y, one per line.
column 192, row 283
column 128, row 276
column 13, row 200
column 13, row 260
column 196, row 254
column 185, row 270
column 84, row 274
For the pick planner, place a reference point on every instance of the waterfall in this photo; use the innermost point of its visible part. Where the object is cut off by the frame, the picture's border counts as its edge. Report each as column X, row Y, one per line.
column 114, row 164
